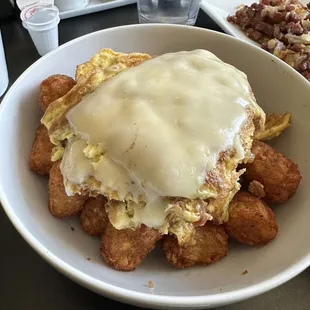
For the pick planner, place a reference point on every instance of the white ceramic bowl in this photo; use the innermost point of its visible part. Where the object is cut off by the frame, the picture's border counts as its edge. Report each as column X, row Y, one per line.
column 277, row 87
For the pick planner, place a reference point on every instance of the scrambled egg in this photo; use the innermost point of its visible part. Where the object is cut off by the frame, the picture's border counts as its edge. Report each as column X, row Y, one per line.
column 274, row 126
column 180, row 215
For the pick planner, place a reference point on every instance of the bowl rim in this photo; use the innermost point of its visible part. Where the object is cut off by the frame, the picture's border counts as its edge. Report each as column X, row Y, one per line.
column 127, row 295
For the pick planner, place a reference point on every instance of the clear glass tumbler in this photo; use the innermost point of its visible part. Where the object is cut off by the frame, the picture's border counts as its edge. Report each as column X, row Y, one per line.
column 168, row 11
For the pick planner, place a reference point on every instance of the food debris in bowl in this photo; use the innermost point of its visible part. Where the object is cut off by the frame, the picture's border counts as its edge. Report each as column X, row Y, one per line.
column 281, row 27
column 146, row 148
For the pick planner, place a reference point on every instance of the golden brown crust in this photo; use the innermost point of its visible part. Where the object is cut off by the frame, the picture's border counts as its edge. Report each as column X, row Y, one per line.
column 125, row 249
column 59, row 203
column 107, row 58
column 251, row 221
column 222, row 181
column 40, row 155
column 223, row 178
column 209, row 244
column 54, row 87
column 279, row 175
column 94, row 217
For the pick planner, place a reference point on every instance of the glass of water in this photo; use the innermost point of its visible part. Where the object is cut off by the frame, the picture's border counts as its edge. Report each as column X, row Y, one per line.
column 168, row 11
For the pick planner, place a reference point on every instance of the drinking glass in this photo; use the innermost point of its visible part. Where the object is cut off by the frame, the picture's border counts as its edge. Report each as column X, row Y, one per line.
column 168, row 11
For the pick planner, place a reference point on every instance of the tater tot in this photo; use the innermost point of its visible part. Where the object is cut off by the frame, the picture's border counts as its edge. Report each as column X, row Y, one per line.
column 54, row 87
column 251, row 221
column 125, row 249
column 40, row 155
column 94, row 217
column 60, row 204
column 279, row 176
column 209, row 244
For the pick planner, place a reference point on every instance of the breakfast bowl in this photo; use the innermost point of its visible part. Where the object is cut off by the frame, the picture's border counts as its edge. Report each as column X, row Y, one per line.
column 246, row 271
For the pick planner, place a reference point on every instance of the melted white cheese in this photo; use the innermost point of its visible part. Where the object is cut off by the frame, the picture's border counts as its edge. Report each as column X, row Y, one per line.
column 161, row 125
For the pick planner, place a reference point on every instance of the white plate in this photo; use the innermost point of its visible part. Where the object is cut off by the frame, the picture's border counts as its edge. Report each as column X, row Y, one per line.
column 96, row 6
column 219, row 10
column 24, row 194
